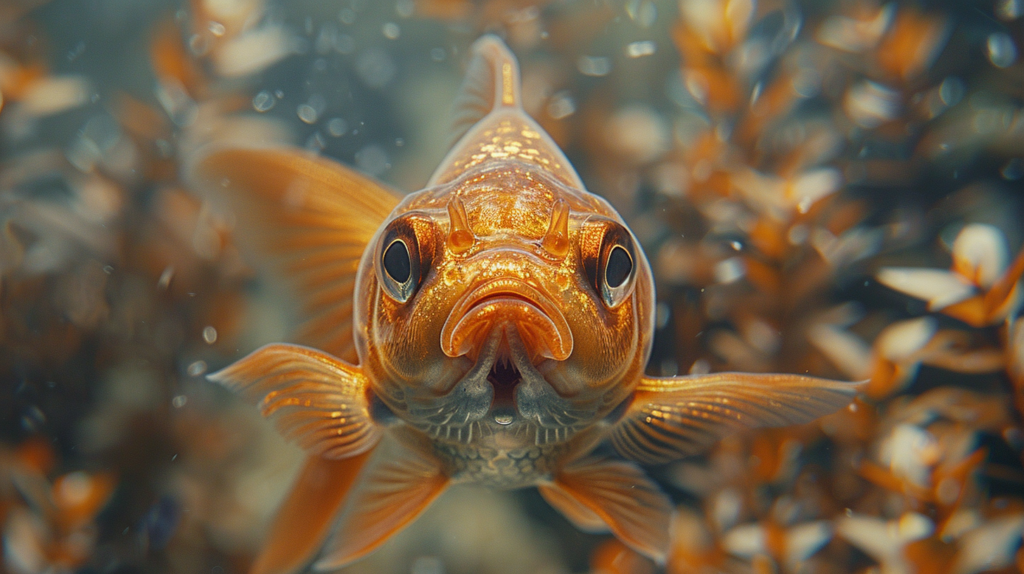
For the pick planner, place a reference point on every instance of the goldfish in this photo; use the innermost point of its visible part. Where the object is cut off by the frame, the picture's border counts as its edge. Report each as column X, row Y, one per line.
column 492, row 328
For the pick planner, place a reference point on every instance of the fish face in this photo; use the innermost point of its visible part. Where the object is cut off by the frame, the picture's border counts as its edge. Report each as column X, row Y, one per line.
column 505, row 302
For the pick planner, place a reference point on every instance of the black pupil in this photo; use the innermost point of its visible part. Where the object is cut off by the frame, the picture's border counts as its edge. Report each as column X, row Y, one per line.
column 619, row 265
column 396, row 261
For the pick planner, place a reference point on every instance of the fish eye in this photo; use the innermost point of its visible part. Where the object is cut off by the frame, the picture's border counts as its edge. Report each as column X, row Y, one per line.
column 396, row 262
column 404, row 252
column 606, row 250
column 618, row 268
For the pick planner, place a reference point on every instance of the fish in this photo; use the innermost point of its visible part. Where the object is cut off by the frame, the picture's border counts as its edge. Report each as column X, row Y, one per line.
column 492, row 328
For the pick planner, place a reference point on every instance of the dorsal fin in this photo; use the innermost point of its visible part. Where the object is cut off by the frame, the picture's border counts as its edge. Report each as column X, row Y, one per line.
column 490, row 124
column 491, row 82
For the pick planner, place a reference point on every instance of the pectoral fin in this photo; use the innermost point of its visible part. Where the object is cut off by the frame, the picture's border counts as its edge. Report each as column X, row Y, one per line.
column 304, row 519
column 674, row 417
column 618, row 494
column 398, row 485
column 309, row 215
column 313, row 398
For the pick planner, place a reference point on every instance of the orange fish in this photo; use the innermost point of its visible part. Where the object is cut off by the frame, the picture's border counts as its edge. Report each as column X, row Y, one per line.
column 492, row 328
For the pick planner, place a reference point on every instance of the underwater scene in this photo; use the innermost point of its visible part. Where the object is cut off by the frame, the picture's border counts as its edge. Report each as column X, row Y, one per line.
column 824, row 198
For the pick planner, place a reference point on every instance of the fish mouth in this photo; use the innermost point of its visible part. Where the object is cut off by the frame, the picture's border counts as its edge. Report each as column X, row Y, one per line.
column 508, row 330
column 539, row 323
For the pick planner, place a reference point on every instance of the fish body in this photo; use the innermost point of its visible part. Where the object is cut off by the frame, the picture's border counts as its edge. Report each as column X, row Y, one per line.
column 492, row 328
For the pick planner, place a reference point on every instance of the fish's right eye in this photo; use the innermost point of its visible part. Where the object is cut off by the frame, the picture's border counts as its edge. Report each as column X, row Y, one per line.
column 403, row 256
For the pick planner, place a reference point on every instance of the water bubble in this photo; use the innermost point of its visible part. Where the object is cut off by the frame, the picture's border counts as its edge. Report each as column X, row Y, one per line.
column 438, row 54
column 594, row 66
column 643, row 12
column 1001, row 50
column 375, row 67
column 197, row 368
column 209, row 334
column 217, row 29
column 307, row 113
column 263, row 101
column 347, row 16
column 951, row 91
column 391, row 31
column 337, row 127
column 561, row 105
column 1010, row 9
column 372, row 159
column 640, row 49
column 504, row 415
column 179, row 401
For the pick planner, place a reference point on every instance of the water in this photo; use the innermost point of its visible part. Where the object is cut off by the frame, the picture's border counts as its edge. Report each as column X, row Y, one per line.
column 777, row 163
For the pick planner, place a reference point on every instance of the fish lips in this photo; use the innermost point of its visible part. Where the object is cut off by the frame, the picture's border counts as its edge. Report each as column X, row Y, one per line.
column 541, row 325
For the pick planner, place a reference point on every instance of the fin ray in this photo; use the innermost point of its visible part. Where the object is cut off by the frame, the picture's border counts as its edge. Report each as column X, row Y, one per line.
column 304, row 519
column 620, row 495
column 314, row 399
column 391, row 495
column 573, row 510
column 491, row 82
column 675, row 417
column 310, row 215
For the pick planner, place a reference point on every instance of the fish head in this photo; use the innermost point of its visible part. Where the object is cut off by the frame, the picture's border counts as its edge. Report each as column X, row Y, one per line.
column 505, row 297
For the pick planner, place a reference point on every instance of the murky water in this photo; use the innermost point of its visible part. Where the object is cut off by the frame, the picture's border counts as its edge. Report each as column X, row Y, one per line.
column 829, row 188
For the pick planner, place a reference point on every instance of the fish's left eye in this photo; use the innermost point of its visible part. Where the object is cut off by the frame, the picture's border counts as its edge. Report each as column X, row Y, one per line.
column 609, row 260
column 400, row 257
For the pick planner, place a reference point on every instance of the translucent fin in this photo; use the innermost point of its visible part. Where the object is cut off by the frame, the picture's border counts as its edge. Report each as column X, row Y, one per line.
column 618, row 493
column 313, row 398
column 304, row 519
column 491, row 82
column 490, row 124
column 312, row 217
column 393, row 492
column 573, row 510
column 675, row 417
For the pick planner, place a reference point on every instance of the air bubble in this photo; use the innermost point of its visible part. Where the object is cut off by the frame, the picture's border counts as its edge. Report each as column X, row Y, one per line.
column 1001, row 50
column 179, row 401
column 307, row 114
column 209, row 335
column 640, row 49
column 337, row 127
column 263, row 101
column 196, row 369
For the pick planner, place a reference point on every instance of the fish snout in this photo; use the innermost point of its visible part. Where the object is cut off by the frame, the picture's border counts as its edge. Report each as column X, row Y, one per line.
column 541, row 326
